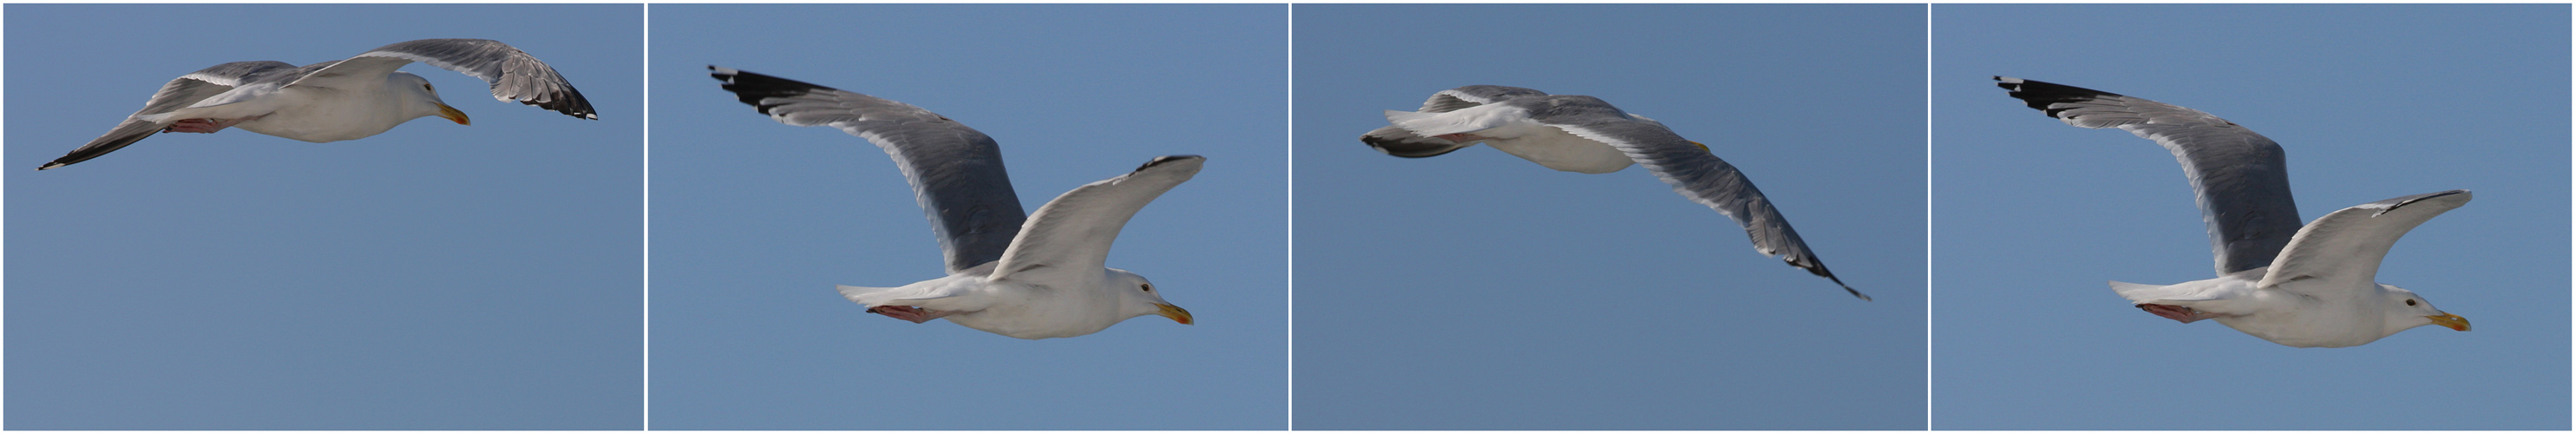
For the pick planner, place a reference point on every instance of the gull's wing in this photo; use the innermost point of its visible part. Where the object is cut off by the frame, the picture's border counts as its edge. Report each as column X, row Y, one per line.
column 2348, row 244
column 1397, row 142
column 515, row 75
column 1692, row 171
column 2242, row 183
column 956, row 172
column 179, row 93
column 1071, row 234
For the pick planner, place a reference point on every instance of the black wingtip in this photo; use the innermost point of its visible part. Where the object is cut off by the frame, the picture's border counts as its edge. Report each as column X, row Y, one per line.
column 2409, row 200
column 1848, row 288
column 1167, row 159
column 1425, row 148
column 2039, row 94
column 751, row 87
column 1818, row 268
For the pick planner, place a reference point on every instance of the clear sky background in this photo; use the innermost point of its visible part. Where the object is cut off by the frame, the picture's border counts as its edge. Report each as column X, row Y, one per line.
column 1477, row 290
column 2031, row 216
column 436, row 276
column 755, row 221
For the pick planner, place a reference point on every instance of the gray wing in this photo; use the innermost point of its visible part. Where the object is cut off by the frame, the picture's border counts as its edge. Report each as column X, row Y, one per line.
column 956, row 172
column 2241, row 181
column 2348, row 244
column 1398, row 142
column 177, row 94
column 1069, row 238
column 515, row 75
column 1689, row 168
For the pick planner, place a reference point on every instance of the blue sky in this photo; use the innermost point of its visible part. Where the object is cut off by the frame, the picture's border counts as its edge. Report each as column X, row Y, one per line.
column 436, row 276
column 2031, row 216
column 754, row 221
column 1477, row 290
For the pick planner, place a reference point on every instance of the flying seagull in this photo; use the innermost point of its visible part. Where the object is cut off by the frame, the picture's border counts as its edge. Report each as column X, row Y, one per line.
column 1576, row 133
column 2301, row 286
column 337, row 100
column 1024, row 276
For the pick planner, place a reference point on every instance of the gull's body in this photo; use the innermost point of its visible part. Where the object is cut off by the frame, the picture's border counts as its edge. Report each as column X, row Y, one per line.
column 338, row 100
column 2298, row 285
column 1576, row 133
column 1019, row 275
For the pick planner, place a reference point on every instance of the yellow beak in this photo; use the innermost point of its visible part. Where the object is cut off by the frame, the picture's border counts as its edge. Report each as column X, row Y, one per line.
column 2455, row 322
column 1176, row 313
column 1702, row 147
column 452, row 114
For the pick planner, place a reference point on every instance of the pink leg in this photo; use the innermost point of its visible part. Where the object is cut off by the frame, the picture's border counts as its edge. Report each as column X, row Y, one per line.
column 908, row 313
column 203, row 125
column 2176, row 313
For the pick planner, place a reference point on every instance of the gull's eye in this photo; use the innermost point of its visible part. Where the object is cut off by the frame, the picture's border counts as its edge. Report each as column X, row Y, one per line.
column 1150, row 288
column 427, row 87
column 2410, row 302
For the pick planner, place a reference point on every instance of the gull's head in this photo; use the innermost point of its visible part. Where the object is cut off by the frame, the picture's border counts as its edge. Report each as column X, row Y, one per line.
column 424, row 97
column 1141, row 298
column 2407, row 310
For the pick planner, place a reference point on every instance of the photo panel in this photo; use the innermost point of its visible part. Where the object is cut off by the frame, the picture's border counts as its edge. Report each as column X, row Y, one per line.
column 432, row 276
column 2031, row 216
column 755, row 220
column 1474, row 290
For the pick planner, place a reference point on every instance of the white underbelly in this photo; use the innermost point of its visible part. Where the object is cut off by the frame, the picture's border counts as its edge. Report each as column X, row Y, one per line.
column 1556, row 149
column 323, row 125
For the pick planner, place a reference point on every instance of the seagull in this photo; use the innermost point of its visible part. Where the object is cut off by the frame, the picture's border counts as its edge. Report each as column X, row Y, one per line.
column 1024, row 276
column 2303, row 286
column 337, row 100
column 1582, row 134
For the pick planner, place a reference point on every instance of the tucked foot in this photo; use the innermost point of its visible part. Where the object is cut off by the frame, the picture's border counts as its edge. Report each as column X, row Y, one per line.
column 203, row 125
column 2176, row 313
column 907, row 313
column 1460, row 137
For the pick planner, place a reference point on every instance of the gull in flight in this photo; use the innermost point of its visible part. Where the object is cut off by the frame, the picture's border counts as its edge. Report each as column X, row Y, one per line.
column 1014, row 274
column 1576, row 133
column 337, row 100
column 2301, row 286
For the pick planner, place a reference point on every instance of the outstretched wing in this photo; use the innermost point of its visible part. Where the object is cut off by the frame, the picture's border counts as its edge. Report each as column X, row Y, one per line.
column 956, row 172
column 177, row 94
column 2241, row 181
column 1691, row 170
column 515, row 75
column 2347, row 245
column 1072, row 233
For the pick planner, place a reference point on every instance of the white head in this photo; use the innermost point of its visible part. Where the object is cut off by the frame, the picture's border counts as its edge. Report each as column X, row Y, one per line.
column 2406, row 310
column 1140, row 298
column 423, row 97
